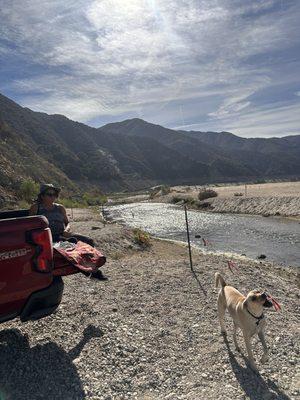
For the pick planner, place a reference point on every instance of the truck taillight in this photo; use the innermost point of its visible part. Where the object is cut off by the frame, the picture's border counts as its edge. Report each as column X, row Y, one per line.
column 44, row 252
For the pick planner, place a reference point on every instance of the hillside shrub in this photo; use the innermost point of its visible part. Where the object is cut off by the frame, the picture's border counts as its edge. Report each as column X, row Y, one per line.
column 207, row 194
column 28, row 190
column 94, row 199
column 71, row 203
column 87, row 199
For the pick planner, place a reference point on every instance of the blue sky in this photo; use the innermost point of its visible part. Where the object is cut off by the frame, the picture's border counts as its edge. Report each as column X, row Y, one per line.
column 197, row 65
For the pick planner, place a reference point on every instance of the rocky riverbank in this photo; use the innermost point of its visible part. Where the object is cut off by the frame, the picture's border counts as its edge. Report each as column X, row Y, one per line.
column 151, row 330
column 284, row 206
column 267, row 199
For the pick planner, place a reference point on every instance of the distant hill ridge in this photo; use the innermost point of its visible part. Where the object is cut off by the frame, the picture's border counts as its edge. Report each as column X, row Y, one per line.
column 131, row 154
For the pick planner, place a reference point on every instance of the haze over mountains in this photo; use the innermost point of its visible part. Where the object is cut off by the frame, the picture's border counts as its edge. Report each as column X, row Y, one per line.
column 131, row 154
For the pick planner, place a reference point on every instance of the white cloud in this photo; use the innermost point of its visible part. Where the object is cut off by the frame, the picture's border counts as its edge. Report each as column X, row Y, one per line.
column 110, row 57
column 280, row 121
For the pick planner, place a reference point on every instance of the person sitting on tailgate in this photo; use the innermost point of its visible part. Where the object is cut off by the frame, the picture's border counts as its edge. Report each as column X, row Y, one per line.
column 56, row 215
column 57, row 218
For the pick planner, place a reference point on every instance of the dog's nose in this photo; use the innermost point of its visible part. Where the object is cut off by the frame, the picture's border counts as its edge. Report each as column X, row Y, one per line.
column 263, row 296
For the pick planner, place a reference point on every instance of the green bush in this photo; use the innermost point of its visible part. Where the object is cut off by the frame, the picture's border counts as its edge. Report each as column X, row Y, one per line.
column 70, row 203
column 87, row 199
column 142, row 238
column 94, row 199
column 206, row 194
column 28, row 190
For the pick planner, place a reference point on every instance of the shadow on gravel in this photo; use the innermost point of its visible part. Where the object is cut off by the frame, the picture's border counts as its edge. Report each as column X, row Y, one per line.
column 199, row 283
column 43, row 371
column 254, row 386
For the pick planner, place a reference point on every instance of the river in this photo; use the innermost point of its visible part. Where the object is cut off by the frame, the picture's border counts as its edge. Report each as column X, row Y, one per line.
column 250, row 235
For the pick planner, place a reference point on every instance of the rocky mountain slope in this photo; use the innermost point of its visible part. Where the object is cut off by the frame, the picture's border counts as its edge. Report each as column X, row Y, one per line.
column 273, row 157
column 131, row 154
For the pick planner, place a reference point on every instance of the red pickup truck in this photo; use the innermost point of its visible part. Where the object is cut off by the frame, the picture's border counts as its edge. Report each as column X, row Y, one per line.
column 31, row 283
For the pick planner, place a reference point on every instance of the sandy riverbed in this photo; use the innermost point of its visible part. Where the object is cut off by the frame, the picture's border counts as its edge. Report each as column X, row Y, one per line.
column 150, row 331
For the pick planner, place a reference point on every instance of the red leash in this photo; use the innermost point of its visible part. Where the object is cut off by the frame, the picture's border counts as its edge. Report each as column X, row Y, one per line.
column 276, row 305
column 232, row 266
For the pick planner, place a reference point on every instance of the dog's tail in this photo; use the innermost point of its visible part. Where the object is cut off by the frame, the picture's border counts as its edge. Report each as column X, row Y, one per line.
column 219, row 280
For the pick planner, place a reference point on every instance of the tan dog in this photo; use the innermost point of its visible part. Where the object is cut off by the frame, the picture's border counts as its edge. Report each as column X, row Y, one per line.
column 247, row 314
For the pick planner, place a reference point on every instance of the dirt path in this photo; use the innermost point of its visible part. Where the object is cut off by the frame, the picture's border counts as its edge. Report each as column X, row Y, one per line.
column 150, row 331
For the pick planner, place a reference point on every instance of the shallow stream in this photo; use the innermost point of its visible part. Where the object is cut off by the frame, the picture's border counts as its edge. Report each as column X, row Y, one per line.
column 250, row 235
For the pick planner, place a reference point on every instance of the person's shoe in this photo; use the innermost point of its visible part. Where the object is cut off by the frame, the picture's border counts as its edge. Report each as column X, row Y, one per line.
column 99, row 275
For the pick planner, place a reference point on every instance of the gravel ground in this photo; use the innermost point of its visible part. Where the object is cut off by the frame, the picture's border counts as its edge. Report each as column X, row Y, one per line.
column 150, row 331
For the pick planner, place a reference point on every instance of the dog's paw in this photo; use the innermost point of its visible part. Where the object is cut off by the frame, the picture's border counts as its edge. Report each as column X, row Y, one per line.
column 264, row 358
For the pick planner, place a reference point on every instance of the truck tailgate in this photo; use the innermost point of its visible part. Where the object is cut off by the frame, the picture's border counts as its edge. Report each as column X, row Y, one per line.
column 18, row 279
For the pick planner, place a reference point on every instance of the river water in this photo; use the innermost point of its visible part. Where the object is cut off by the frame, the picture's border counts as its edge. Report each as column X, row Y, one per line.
column 277, row 238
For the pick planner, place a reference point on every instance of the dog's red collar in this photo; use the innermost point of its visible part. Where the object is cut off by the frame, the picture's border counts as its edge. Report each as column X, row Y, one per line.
column 262, row 316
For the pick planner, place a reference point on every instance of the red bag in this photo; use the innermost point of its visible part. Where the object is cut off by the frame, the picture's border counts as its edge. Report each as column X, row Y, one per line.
column 81, row 255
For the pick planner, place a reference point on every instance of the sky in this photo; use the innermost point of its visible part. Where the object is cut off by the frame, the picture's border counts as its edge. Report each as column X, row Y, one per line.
column 208, row 65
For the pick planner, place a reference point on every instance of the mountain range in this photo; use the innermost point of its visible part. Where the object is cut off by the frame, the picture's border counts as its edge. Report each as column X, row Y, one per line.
column 131, row 154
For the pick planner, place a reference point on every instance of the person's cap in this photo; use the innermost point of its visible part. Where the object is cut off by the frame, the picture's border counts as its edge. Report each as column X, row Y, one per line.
column 46, row 186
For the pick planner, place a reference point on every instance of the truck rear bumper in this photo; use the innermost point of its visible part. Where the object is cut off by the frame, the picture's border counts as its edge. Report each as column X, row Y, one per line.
column 44, row 302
